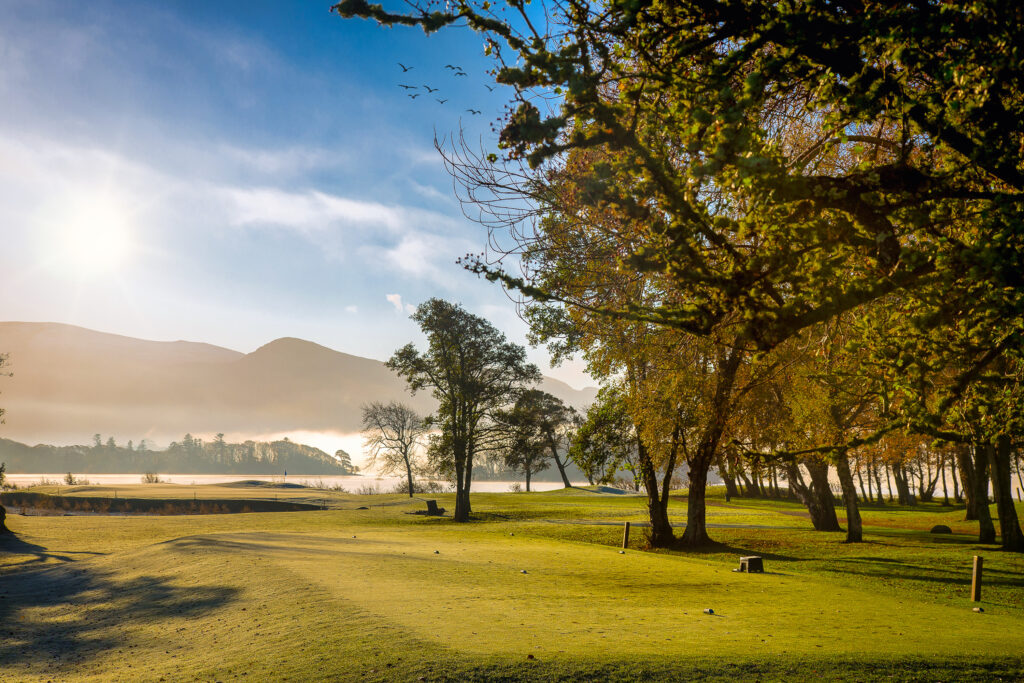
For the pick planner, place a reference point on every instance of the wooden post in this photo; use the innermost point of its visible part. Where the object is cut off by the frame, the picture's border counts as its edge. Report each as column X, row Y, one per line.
column 976, row 579
column 625, row 535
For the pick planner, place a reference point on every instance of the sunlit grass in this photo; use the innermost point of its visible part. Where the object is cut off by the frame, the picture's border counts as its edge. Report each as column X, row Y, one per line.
column 362, row 595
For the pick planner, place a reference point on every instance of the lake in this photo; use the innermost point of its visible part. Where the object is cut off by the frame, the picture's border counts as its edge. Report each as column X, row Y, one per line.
column 351, row 483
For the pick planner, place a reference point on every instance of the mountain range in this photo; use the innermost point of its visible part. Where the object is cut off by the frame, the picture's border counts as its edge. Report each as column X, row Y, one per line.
column 68, row 383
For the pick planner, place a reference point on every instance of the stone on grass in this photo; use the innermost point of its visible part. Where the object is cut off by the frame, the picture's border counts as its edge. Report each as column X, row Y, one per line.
column 941, row 529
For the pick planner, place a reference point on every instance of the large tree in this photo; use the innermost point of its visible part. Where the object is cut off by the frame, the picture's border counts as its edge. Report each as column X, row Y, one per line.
column 392, row 433
column 780, row 163
column 472, row 371
column 604, row 437
column 536, row 432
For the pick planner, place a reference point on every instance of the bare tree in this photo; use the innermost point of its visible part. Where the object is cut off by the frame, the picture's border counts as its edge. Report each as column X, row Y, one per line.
column 393, row 431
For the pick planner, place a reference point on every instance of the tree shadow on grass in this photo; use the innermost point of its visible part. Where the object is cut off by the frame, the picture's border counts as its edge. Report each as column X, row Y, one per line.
column 53, row 618
column 716, row 548
column 10, row 543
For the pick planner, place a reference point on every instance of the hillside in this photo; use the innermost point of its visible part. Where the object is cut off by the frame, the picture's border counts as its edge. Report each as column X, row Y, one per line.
column 69, row 383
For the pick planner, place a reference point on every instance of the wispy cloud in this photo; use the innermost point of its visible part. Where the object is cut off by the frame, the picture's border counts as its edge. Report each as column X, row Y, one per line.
column 396, row 301
column 306, row 212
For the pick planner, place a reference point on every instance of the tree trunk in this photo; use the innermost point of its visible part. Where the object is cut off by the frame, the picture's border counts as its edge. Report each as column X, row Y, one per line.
column 561, row 471
column 817, row 496
column 408, row 474
column 527, row 478
column 986, row 530
column 657, row 504
column 748, row 487
column 899, row 475
column 954, row 475
column 1002, row 483
column 822, row 506
column 854, row 528
column 3, row 521
column 463, row 476
column 726, row 475
column 878, row 484
column 864, row 494
column 553, row 447
column 797, row 488
column 942, row 475
column 696, row 533
column 965, row 465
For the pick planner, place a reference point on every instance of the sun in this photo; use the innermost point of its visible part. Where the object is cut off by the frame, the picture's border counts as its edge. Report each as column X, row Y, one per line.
column 94, row 236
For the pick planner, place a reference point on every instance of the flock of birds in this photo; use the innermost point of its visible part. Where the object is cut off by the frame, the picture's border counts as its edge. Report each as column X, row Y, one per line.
column 456, row 72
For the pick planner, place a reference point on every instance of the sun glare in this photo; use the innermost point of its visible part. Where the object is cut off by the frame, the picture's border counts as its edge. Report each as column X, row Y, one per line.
column 94, row 237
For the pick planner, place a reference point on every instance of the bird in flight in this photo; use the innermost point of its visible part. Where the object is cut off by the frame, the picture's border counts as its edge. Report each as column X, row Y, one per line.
column 407, row 87
column 404, row 67
column 452, row 66
column 429, row 89
column 474, row 112
column 460, row 73
column 413, row 97
column 440, row 100
column 489, row 87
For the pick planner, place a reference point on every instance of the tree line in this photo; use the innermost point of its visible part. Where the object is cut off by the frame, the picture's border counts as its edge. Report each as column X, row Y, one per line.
column 785, row 237
column 191, row 455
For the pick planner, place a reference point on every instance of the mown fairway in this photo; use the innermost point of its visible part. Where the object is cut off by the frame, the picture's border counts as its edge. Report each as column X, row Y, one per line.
column 361, row 594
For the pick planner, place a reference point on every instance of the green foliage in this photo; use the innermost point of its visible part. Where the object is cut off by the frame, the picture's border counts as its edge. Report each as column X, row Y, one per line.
column 781, row 164
column 472, row 371
column 606, row 438
column 532, row 431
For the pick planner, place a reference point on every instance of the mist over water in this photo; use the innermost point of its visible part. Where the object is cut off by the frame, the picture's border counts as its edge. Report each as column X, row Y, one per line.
column 352, row 484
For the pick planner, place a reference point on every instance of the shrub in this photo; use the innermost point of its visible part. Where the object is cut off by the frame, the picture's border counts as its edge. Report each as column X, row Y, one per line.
column 516, row 487
column 422, row 487
column 151, row 478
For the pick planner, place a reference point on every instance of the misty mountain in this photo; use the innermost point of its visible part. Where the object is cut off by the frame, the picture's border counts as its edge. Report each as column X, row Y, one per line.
column 69, row 383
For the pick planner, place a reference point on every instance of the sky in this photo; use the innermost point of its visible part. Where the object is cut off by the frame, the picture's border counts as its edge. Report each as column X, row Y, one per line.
column 237, row 172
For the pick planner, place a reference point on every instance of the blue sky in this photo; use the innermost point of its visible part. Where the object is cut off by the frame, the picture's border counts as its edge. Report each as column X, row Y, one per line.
column 234, row 172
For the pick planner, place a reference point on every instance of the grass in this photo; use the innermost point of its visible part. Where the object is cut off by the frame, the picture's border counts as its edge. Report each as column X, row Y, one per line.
column 362, row 595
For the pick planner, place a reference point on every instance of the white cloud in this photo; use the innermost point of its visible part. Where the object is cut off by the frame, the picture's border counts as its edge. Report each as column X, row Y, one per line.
column 286, row 161
column 351, row 309
column 395, row 300
column 306, row 212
